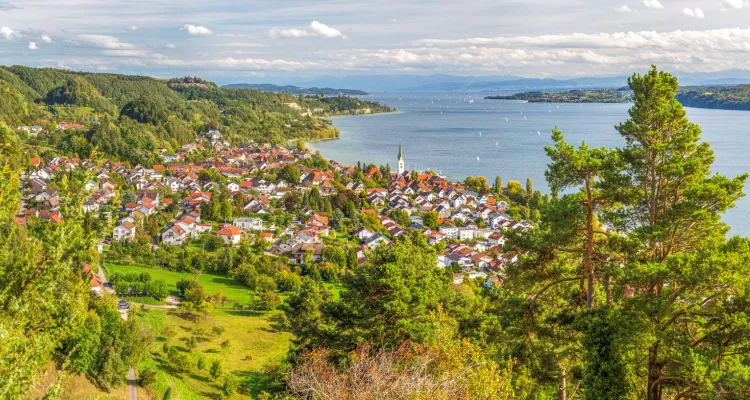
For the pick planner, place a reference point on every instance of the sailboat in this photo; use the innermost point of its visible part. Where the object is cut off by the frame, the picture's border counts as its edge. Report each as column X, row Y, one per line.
column 480, row 133
column 538, row 133
column 497, row 144
column 506, row 119
column 477, row 158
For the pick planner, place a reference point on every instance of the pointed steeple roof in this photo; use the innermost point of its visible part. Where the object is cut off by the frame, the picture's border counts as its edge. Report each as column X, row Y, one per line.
column 400, row 152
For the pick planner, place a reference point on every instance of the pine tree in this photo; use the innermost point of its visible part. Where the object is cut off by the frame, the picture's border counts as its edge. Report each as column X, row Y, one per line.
column 683, row 319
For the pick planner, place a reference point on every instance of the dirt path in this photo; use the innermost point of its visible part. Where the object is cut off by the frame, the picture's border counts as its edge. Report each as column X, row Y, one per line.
column 132, row 388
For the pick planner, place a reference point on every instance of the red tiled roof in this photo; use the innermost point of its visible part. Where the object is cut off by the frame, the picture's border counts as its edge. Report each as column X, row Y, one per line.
column 229, row 230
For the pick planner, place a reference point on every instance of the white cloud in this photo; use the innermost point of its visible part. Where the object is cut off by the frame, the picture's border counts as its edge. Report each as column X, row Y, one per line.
column 196, row 30
column 320, row 29
column 736, row 4
column 288, row 33
column 46, row 39
column 132, row 28
column 32, row 46
column 171, row 46
column 316, row 29
column 624, row 9
column 8, row 33
column 652, row 4
column 106, row 42
column 694, row 13
column 126, row 52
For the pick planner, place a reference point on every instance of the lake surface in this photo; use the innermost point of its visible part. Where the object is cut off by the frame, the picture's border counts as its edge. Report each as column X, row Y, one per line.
column 457, row 137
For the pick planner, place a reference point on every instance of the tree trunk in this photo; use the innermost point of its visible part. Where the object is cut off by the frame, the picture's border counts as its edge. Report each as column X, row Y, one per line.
column 588, row 250
column 608, row 289
column 563, row 386
column 654, row 373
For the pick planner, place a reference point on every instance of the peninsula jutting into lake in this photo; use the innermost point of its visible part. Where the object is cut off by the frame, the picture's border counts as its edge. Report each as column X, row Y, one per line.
column 726, row 97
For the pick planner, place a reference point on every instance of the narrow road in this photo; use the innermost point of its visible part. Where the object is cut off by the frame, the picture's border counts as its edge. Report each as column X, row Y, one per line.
column 171, row 301
column 132, row 388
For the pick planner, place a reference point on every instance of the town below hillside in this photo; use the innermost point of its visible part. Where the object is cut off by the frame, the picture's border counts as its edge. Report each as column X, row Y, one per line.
column 573, row 96
column 716, row 97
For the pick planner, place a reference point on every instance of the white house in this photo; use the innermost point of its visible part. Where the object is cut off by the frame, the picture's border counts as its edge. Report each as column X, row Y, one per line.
column 363, row 233
column 233, row 187
column 248, row 223
column 230, row 234
column 376, row 240
column 174, row 235
column 124, row 231
column 449, row 230
column 465, row 234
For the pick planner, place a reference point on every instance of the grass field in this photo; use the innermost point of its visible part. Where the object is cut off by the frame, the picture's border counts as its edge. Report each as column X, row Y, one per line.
column 233, row 290
column 250, row 334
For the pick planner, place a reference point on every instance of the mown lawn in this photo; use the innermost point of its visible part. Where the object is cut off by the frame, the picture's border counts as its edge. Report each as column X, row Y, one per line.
column 233, row 290
column 250, row 334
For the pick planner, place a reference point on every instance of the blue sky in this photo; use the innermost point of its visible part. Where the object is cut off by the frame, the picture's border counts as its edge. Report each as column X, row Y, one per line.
column 290, row 39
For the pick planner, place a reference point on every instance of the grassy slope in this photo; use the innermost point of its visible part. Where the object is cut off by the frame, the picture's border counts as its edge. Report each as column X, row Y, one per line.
column 249, row 333
column 256, row 335
column 232, row 289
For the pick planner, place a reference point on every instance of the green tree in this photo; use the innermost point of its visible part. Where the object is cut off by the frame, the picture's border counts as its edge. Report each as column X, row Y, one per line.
column 387, row 299
column 231, row 384
column 684, row 323
column 216, row 370
column 290, row 173
column 529, row 187
column 582, row 167
column 430, row 219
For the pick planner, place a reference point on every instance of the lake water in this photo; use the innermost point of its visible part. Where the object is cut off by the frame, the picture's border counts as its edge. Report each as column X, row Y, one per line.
column 458, row 138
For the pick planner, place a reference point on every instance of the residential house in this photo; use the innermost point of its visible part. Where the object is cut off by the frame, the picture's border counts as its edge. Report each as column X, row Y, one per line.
column 230, row 234
column 124, row 231
column 249, row 223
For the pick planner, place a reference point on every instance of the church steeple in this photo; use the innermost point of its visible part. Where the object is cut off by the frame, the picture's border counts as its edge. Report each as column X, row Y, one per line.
column 401, row 167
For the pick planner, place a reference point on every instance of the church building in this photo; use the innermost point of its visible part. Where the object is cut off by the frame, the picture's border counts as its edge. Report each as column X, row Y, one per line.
column 401, row 167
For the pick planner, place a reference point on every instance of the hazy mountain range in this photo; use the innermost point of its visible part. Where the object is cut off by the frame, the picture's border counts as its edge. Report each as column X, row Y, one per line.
column 499, row 84
column 267, row 87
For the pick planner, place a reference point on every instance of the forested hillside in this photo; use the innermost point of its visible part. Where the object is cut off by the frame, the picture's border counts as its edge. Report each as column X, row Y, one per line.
column 130, row 117
column 720, row 97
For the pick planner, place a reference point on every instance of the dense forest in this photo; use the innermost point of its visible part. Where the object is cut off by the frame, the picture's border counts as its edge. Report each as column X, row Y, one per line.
column 129, row 117
column 325, row 91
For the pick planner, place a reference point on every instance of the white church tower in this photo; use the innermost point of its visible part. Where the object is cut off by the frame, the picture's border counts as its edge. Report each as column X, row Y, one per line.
column 401, row 167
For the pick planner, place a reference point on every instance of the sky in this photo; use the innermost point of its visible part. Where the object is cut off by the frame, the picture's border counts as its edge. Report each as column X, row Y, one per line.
column 254, row 41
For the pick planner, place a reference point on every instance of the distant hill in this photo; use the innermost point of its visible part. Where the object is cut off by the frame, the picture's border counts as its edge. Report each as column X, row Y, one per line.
column 501, row 84
column 266, row 87
column 720, row 97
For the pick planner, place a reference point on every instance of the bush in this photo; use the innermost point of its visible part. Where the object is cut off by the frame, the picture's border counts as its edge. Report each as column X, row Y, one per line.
column 265, row 301
column 216, row 369
column 147, row 377
column 231, row 384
